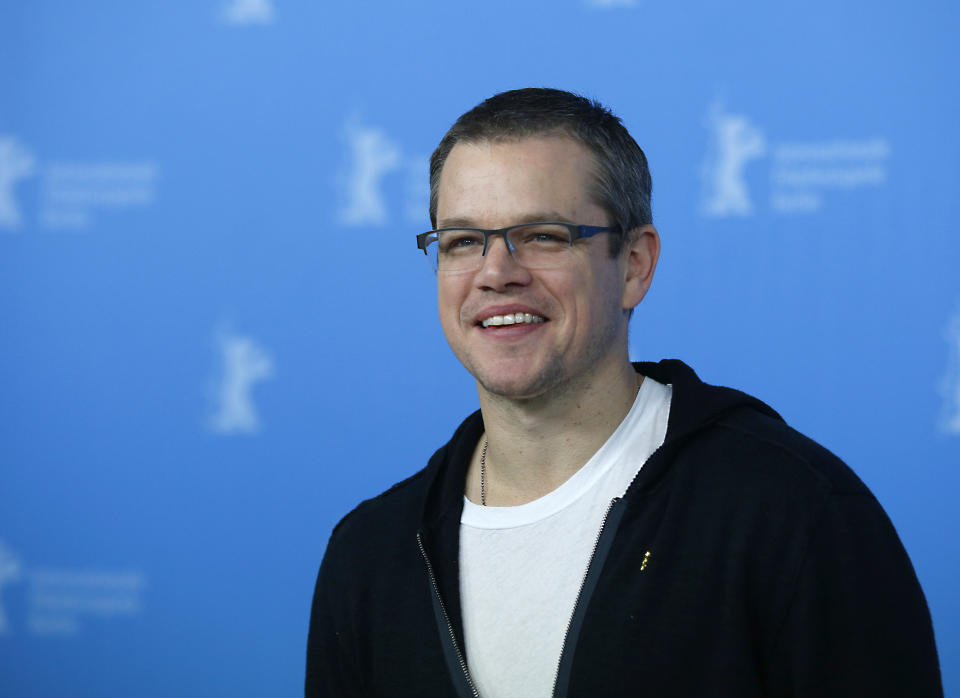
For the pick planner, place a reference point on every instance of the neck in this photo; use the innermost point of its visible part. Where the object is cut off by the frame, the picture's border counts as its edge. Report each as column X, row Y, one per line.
column 535, row 444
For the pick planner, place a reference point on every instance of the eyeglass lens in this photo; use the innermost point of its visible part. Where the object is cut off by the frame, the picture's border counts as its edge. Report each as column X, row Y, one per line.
column 535, row 246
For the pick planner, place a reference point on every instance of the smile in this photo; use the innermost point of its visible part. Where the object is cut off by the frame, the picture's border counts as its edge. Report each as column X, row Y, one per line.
column 512, row 319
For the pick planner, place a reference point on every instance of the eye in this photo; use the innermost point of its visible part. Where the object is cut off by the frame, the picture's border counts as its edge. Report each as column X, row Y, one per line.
column 459, row 241
column 542, row 236
column 547, row 237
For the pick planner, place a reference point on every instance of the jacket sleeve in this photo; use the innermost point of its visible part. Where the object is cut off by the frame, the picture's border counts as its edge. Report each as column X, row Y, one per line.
column 857, row 623
column 330, row 671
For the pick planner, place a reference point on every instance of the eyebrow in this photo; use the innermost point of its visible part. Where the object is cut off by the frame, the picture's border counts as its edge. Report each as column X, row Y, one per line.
column 465, row 222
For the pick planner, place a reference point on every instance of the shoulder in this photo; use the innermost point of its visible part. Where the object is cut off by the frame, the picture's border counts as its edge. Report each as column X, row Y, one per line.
column 770, row 442
column 726, row 426
column 367, row 541
column 751, row 468
column 398, row 506
column 402, row 508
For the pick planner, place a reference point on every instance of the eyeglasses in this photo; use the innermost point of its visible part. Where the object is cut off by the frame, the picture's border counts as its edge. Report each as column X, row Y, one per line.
column 532, row 245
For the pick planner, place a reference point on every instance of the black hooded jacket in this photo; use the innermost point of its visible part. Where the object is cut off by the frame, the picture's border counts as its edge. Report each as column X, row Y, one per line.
column 744, row 560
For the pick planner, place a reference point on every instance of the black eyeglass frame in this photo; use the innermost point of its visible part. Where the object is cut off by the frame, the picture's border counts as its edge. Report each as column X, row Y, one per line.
column 576, row 230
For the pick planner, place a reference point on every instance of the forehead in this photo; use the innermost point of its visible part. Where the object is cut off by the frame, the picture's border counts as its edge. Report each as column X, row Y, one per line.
column 493, row 183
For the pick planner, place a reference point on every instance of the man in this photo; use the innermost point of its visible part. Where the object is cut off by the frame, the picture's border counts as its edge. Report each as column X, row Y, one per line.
column 600, row 528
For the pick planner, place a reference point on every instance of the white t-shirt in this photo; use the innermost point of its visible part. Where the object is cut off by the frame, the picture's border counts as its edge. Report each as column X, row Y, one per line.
column 521, row 567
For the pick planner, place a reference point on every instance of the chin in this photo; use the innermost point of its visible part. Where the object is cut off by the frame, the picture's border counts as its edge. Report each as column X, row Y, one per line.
column 523, row 385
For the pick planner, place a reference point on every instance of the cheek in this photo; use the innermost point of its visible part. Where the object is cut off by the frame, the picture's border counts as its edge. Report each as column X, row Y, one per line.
column 570, row 292
column 449, row 300
column 596, row 300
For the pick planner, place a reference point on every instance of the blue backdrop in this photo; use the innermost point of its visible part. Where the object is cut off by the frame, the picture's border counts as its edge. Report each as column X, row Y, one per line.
column 203, row 364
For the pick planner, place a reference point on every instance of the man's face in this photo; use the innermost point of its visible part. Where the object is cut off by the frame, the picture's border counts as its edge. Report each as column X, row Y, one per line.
column 581, row 303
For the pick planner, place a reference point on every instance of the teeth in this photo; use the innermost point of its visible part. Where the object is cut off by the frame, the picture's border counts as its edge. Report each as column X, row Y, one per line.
column 512, row 319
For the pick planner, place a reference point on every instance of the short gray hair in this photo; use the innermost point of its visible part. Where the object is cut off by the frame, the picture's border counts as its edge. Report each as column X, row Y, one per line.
column 622, row 181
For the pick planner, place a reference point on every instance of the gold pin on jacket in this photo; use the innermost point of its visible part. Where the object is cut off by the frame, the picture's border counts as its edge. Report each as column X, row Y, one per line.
column 646, row 559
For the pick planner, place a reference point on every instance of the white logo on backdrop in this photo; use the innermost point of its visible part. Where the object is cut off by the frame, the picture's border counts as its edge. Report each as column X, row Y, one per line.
column 58, row 599
column 248, row 12
column 243, row 364
column 71, row 192
column 800, row 173
column 16, row 163
column 9, row 572
column 950, row 383
column 373, row 155
column 734, row 142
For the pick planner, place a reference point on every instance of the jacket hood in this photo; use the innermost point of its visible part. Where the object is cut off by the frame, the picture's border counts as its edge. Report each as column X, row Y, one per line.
column 695, row 406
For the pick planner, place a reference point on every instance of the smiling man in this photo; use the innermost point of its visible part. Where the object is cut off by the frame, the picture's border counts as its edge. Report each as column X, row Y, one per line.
column 600, row 527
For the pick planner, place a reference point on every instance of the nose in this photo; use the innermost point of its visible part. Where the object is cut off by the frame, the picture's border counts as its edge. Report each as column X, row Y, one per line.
column 498, row 269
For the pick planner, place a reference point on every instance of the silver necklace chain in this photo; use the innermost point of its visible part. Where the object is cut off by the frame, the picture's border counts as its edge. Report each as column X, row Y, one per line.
column 483, row 474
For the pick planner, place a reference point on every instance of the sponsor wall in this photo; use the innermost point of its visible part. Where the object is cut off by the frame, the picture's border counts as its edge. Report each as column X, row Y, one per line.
column 218, row 335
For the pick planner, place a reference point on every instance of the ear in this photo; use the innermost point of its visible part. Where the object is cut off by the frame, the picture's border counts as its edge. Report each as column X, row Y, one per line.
column 640, row 254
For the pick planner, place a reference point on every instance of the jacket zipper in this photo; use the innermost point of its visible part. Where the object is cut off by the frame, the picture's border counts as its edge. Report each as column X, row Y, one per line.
column 446, row 617
column 583, row 581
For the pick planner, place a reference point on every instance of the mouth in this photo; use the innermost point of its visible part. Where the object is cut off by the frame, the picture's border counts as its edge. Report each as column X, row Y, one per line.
column 511, row 319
